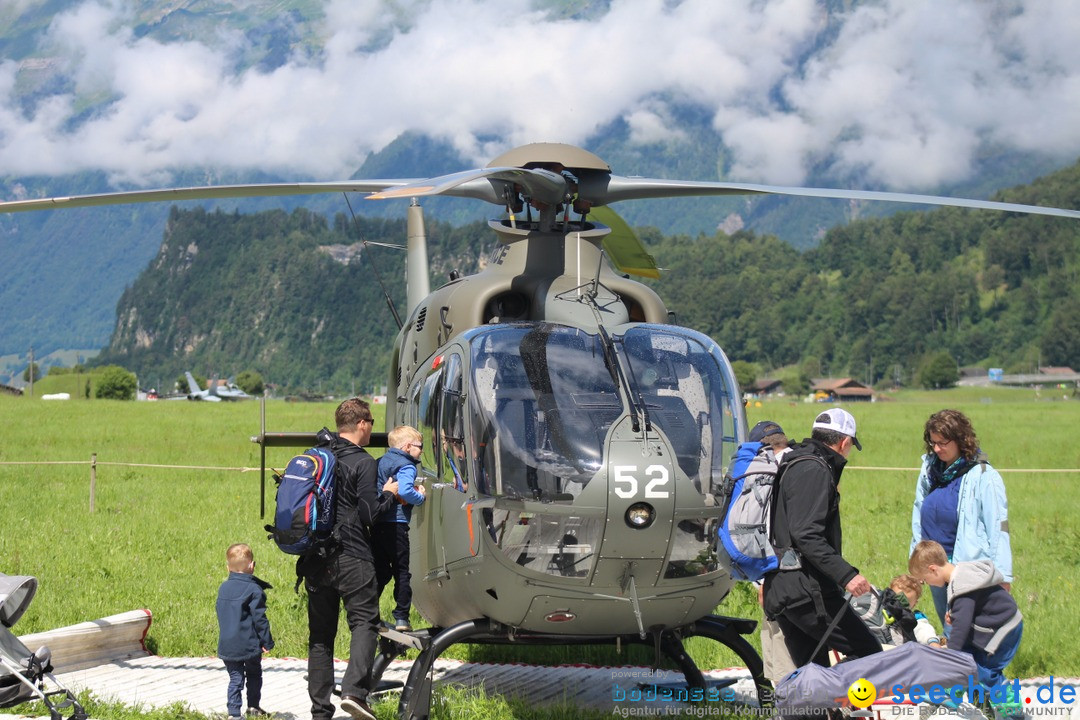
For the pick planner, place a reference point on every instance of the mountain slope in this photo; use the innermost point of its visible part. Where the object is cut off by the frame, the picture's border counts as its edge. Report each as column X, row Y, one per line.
column 68, row 272
column 228, row 292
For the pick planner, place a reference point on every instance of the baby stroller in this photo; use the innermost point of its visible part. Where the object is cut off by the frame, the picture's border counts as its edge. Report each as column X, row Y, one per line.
column 23, row 674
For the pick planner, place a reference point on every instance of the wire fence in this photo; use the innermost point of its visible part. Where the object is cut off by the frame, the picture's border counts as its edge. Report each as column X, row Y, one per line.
column 127, row 464
column 224, row 468
column 94, row 464
column 1000, row 470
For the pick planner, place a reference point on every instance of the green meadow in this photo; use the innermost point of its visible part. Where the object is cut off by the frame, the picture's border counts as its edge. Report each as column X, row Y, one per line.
column 157, row 536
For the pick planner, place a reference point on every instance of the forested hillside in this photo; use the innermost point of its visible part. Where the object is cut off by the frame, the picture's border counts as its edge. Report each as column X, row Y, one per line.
column 876, row 296
column 229, row 292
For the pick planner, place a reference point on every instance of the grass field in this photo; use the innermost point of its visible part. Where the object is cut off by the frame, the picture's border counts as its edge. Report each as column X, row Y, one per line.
column 157, row 537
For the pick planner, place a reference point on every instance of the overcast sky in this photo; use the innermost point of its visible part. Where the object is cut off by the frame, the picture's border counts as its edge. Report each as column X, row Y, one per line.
column 904, row 95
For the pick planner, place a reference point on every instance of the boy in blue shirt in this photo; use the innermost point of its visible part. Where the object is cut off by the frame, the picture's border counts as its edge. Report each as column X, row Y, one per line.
column 391, row 530
column 244, row 631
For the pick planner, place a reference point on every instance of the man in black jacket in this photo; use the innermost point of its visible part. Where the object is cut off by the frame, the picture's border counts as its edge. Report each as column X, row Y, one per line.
column 347, row 576
column 806, row 593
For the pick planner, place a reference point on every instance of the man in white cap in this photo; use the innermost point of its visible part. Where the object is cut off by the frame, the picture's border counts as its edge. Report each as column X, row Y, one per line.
column 806, row 593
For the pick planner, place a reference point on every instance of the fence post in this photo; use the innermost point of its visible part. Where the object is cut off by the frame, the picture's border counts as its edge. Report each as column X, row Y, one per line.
column 93, row 479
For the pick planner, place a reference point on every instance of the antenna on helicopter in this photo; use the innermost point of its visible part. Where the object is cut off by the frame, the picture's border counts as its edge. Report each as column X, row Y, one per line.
column 599, row 267
column 374, row 267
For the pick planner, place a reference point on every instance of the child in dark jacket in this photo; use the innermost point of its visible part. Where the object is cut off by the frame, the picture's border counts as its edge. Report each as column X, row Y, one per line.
column 391, row 529
column 244, row 631
column 985, row 620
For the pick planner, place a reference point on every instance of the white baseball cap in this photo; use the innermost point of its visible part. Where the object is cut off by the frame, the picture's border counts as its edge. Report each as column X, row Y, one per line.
column 838, row 420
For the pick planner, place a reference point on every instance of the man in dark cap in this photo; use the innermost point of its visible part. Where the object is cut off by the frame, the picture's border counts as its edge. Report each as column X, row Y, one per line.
column 769, row 432
column 774, row 652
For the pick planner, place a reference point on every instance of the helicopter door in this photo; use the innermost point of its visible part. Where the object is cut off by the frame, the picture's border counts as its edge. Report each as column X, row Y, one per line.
column 436, row 407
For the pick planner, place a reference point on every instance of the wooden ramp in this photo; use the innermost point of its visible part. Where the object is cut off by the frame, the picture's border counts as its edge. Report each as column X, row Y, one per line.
column 88, row 644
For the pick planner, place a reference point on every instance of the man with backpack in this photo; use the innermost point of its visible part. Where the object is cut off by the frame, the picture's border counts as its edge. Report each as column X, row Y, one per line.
column 774, row 652
column 748, row 489
column 347, row 575
column 805, row 593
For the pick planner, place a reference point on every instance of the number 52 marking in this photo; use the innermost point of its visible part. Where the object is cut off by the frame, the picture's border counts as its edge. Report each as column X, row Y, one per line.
column 626, row 481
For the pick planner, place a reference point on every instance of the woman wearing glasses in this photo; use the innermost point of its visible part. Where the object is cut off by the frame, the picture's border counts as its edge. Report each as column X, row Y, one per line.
column 960, row 501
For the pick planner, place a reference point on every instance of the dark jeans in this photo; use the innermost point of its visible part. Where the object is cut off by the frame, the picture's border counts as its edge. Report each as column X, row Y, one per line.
column 347, row 581
column 251, row 669
column 803, row 629
column 391, row 548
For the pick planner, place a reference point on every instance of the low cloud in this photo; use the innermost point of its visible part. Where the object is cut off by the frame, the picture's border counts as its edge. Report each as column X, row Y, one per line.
column 902, row 93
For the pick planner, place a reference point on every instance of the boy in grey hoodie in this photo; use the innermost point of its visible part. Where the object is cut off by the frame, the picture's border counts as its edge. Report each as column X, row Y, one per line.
column 985, row 620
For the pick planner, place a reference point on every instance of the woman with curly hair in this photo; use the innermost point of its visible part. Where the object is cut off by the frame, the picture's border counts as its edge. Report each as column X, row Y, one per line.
column 960, row 501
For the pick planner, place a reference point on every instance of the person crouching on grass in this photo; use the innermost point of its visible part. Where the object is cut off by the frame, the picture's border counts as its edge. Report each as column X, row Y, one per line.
column 985, row 620
column 244, row 631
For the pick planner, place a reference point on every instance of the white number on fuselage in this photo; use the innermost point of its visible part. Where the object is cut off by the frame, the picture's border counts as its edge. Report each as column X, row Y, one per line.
column 625, row 481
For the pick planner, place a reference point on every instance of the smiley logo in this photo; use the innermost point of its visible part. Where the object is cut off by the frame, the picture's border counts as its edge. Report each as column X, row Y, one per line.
column 862, row 693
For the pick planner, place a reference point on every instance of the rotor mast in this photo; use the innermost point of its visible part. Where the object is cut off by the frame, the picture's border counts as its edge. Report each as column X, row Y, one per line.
column 417, row 276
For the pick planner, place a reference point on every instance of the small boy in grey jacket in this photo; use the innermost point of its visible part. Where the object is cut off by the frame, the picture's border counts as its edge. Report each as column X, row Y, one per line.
column 244, row 631
column 985, row 620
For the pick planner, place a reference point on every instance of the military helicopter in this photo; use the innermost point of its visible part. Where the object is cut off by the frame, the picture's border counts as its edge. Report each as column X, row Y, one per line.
column 575, row 438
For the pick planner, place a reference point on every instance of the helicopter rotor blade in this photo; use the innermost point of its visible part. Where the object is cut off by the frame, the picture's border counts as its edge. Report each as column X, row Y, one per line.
column 633, row 188
column 538, row 184
column 594, row 187
column 210, row 192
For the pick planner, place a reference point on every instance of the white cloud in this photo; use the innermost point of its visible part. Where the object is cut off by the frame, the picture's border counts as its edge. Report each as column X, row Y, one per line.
column 910, row 89
column 904, row 94
column 652, row 124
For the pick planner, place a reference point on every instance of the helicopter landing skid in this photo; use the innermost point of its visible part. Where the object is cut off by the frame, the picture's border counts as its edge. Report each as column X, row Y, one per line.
column 415, row 703
column 392, row 645
column 727, row 631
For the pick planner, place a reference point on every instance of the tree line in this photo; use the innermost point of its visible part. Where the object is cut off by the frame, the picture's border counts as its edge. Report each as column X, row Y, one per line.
column 880, row 300
column 885, row 297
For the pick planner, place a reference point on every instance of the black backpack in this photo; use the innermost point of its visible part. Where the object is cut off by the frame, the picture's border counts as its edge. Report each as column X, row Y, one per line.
column 304, row 506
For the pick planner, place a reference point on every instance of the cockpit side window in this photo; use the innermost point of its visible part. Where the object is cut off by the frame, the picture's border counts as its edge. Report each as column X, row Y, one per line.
column 428, row 419
column 454, row 469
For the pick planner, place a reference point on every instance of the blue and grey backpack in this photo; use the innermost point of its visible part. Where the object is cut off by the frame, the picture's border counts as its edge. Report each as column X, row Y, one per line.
column 304, row 508
column 745, row 532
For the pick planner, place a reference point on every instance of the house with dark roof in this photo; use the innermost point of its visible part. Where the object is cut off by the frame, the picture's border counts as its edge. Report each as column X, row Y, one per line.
column 763, row 387
column 10, row 390
column 841, row 390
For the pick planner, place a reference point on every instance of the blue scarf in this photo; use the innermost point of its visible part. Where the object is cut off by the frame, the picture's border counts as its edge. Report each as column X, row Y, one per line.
column 940, row 476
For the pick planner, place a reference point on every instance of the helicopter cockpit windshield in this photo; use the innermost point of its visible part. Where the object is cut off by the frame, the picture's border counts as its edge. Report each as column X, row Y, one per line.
column 543, row 403
column 545, row 397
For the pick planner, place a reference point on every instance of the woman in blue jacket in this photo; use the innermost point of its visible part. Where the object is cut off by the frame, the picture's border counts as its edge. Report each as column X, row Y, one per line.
column 960, row 501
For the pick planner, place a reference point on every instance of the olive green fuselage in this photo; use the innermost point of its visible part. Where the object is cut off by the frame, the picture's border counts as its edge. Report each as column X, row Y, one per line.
column 572, row 445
